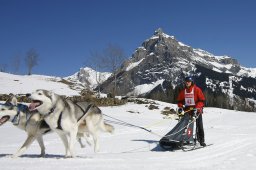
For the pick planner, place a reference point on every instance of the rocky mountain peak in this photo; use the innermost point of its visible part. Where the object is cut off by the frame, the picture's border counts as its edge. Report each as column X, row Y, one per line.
column 161, row 62
column 87, row 78
column 158, row 31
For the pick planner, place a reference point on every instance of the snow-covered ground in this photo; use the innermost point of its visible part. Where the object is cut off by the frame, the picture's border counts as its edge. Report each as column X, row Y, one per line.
column 22, row 84
column 231, row 133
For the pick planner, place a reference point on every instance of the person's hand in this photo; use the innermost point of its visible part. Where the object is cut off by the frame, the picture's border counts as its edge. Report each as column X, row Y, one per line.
column 194, row 112
column 197, row 111
column 180, row 110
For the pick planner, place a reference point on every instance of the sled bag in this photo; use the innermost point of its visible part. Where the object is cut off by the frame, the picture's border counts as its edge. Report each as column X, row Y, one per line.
column 179, row 133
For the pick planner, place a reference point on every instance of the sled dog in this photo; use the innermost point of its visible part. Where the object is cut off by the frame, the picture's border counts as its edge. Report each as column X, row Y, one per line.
column 31, row 122
column 67, row 118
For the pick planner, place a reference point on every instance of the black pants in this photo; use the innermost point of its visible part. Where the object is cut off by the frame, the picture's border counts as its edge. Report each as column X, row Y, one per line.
column 200, row 129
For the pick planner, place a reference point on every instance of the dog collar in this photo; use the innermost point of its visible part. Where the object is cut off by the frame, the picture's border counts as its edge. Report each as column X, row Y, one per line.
column 51, row 111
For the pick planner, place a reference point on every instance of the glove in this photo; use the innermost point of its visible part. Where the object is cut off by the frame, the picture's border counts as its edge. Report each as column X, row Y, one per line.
column 194, row 112
column 180, row 110
column 197, row 111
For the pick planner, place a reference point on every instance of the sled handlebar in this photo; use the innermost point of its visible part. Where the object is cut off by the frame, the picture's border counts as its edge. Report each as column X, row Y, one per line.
column 183, row 113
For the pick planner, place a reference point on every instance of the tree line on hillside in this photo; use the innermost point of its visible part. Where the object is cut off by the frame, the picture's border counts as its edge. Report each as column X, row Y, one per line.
column 213, row 99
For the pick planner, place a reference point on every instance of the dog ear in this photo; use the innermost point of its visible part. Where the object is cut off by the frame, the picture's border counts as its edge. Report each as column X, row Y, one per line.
column 49, row 93
column 10, row 100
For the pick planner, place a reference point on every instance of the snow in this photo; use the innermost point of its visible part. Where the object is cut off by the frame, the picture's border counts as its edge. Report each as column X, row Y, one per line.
column 202, row 53
column 162, row 34
column 135, row 64
column 22, row 84
column 182, row 44
column 251, row 72
column 217, row 70
column 231, row 133
column 219, row 66
column 144, row 88
column 88, row 77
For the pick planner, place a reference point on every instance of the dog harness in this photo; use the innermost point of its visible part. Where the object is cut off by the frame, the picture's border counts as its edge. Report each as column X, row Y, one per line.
column 60, row 116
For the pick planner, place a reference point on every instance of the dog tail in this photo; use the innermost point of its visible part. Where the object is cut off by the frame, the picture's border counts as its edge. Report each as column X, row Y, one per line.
column 109, row 128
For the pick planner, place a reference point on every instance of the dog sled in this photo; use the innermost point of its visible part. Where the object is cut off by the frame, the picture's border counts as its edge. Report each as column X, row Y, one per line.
column 182, row 136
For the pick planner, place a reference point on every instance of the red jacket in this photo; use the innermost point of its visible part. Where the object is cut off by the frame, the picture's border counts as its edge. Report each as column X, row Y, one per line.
column 198, row 96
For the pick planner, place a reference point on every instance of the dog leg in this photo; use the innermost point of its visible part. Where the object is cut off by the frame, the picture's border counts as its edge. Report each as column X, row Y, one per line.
column 105, row 127
column 80, row 142
column 87, row 136
column 94, row 132
column 24, row 147
column 64, row 139
column 108, row 128
column 41, row 144
column 96, row 142
column 72, row 140
column 79, row 139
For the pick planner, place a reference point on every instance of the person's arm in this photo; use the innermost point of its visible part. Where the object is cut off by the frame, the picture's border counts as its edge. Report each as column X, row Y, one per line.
column 200, row 100
column 181, row 98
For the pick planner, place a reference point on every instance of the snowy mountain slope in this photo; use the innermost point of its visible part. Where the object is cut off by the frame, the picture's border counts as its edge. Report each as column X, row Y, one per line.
column 69, row 86
column 231, row 134
column 22, row 84
column 87, row 78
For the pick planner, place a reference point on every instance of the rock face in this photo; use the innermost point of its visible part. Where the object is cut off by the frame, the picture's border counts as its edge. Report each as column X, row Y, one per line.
column 158, row 67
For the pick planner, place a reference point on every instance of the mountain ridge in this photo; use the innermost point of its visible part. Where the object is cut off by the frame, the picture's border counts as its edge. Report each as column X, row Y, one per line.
column 163, row 62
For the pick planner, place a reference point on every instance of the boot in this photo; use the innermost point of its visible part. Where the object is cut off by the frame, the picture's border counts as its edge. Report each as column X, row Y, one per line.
column 202, row 144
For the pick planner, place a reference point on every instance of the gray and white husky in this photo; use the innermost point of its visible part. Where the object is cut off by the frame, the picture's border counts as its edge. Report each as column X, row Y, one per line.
column 68, row 118
column 32, row 123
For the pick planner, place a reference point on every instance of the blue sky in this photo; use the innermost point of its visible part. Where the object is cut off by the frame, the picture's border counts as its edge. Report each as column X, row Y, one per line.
column 64, row 32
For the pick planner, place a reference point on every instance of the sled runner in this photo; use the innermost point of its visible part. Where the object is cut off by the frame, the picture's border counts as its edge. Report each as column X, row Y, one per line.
column 181, row 136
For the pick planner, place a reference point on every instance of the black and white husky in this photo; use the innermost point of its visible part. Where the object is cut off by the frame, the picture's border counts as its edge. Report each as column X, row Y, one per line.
column 67, row 118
